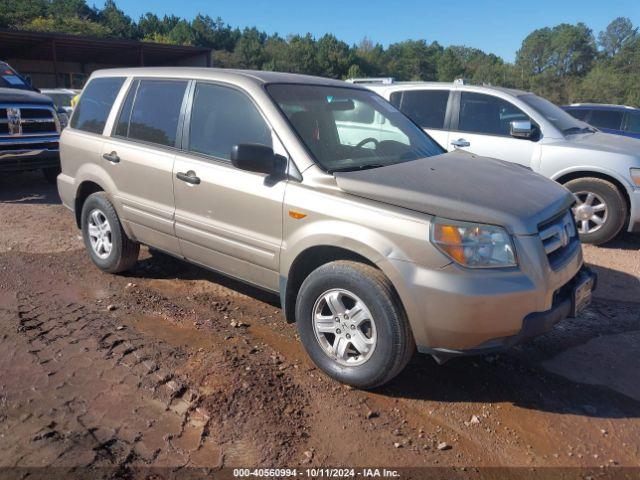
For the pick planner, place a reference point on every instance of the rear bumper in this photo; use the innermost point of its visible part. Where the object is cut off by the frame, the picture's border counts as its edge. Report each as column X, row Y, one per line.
column 28, row 153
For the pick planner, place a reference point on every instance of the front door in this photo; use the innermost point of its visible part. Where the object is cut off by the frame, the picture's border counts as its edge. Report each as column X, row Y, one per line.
column 483, row 128
column 227, row 219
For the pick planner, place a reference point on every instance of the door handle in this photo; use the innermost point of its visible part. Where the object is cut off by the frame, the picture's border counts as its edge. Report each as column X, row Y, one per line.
column 111, row 157
column 189, row 177
column 461, row 142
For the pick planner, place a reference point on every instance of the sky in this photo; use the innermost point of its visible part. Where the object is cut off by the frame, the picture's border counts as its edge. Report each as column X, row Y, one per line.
column 495, row 26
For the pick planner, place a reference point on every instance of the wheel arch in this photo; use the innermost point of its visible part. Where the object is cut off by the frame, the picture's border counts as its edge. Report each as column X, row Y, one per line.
column 85, row 189
column 306, row 262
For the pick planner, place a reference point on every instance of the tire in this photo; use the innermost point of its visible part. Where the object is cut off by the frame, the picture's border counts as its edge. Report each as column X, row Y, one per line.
column 51, row 174
column 393, row 344
column 601, row 192
column 123, row 252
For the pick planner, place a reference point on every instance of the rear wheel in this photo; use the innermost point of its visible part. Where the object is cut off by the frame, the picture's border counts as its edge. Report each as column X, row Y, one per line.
column 352, row 324
column 105, row 240
column 601, row 210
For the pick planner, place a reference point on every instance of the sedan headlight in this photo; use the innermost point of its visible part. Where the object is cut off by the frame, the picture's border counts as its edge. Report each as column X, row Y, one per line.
column 472, row 244
column 635, row 176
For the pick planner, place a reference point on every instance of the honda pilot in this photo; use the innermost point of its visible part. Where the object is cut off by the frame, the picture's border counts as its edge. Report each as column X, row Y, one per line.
column 377, row 240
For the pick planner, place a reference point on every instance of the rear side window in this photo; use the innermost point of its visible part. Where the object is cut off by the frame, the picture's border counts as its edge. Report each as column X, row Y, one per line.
column 222, row 117
column 610, row 119
column 151, row 111
column 486, row 114
column 425, row 107
column 90, row 115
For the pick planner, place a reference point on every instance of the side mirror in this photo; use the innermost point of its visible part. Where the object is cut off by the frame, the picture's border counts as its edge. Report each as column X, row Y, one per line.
column 521, row 129
column 257, row 158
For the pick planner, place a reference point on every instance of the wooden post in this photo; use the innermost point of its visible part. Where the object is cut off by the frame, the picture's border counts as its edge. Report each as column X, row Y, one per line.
column 55, row 61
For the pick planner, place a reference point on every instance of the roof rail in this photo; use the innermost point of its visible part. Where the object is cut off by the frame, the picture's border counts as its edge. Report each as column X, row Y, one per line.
column 382, row 80
column 461, row 81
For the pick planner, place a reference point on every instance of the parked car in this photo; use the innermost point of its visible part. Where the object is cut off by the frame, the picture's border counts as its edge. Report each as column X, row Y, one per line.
column 603, row 171
column 62, row 97
column 375, row 245
column 616, row 119
column 30, row 127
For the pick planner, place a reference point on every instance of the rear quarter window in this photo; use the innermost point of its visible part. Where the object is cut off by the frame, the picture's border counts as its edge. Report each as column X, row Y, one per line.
column 90, row 115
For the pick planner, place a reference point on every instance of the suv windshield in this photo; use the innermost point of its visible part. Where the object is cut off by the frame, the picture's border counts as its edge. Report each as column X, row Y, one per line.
column 351, row 129
column 564, row 122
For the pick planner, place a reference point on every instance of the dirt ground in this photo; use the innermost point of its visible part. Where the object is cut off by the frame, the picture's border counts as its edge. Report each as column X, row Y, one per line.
column 174, row 366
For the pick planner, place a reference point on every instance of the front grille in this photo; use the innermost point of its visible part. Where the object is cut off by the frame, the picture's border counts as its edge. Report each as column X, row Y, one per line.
column 559, row 238
column 27, row 120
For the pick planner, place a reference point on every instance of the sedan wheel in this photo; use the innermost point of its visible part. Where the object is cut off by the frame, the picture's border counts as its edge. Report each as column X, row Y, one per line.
column 590, row 212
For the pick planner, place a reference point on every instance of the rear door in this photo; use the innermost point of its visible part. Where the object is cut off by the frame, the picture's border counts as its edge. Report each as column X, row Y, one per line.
column 481, row 125
column 140, row 155
column 227, row 219
column 428, row 108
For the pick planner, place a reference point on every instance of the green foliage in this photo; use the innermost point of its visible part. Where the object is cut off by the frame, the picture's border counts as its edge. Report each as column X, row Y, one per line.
column 563, row 63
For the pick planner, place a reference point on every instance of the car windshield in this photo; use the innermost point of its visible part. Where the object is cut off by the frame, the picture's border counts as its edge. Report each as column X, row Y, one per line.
column 60, row 99
column 351, row 129
column 563, row 121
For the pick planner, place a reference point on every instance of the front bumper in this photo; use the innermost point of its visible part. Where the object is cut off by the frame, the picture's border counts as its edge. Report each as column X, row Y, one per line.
column 533, row 325
column 28, row 153
column 458, row 310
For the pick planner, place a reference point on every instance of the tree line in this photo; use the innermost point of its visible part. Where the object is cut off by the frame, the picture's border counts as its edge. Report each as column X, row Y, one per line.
column 564, row 63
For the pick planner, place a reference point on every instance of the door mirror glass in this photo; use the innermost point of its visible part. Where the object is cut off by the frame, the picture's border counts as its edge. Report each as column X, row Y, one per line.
column 258, row 159
column 521, row 129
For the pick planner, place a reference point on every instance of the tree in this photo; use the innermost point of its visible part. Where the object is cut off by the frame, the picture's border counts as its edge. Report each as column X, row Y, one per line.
column 249, row 51
column 334, row 57
column 619, row 32
column 413, row 60
column 118, row 24
column 14, row 14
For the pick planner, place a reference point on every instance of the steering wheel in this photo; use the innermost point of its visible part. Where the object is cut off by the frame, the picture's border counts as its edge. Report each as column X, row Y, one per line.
column 367, row 140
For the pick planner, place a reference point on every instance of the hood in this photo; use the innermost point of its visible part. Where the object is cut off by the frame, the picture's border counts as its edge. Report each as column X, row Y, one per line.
column 15, row 95
column 463, row 186
column 605, row 142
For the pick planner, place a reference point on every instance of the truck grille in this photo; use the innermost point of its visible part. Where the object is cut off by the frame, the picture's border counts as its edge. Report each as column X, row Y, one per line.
column 559, row 238
column 27, row 120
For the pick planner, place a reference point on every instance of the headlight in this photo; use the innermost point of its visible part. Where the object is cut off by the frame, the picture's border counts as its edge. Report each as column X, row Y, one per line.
column 473, row 245
column 635, row 176
column 63, row 118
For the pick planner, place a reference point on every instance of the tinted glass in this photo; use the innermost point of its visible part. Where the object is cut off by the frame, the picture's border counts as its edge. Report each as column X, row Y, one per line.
column 579, row 113
column 487, row 115
column 632, row 123
column 360, row 113
column 222, row 117
column 606, row 119
column 90, row 115
column 425, row 107
column 314, row 111
column 554, row 114
column 156, row 111
column 122, row 124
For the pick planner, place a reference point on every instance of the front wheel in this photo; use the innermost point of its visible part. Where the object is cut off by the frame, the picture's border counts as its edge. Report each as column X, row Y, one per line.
column 105, row 240
column 352, row 324
column 600, row 211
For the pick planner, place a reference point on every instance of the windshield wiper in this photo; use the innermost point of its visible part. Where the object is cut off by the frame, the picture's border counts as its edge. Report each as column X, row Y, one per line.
column 366, row 166
column 574, row 130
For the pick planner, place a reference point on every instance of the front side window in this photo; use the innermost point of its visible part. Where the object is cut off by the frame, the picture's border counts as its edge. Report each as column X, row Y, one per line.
column 315, row 113
column 151, row 111
column 92, row 111
column 425, row 107
column 222, row 117
column 610, row 119
column 487, row 115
